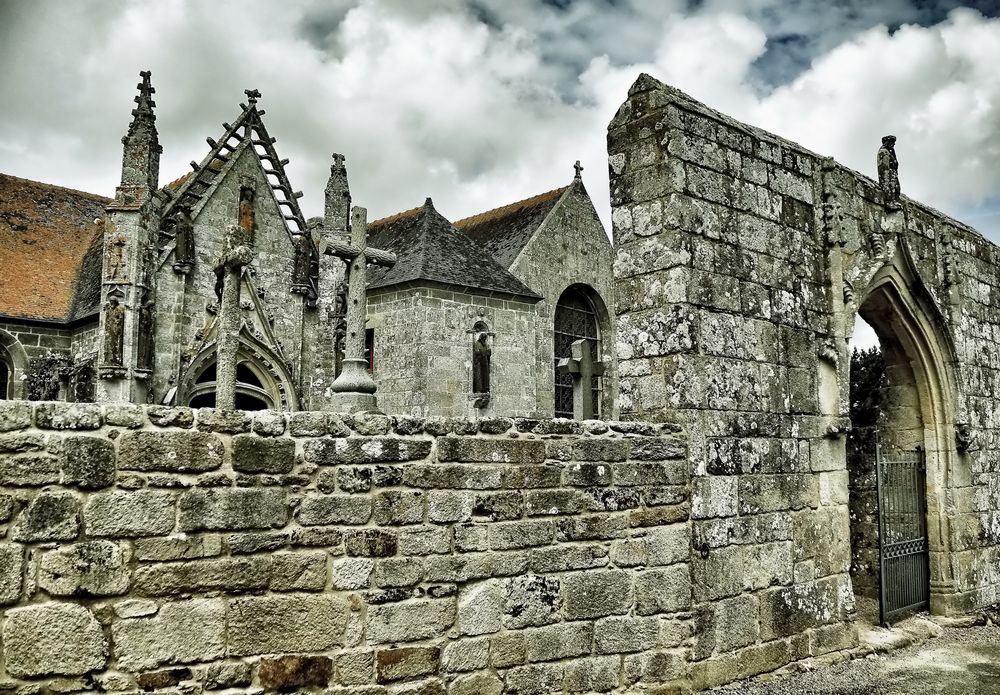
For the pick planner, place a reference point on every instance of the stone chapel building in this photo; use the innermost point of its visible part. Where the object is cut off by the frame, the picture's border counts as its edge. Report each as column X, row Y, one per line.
column 119, row 299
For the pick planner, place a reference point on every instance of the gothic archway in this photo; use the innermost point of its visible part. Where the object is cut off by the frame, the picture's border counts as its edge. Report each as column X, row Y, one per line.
column 916, row 455
column 262, row 382
column 579, row 313
column 14, row 363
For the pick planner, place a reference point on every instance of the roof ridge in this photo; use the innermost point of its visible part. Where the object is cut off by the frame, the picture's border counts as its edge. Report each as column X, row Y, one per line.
column 96, row 196
column 396, row 217
column 504, row 210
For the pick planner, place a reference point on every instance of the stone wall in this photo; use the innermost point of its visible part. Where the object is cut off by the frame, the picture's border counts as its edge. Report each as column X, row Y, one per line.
column 148, row 546
column 742, row 263
column 423, row 351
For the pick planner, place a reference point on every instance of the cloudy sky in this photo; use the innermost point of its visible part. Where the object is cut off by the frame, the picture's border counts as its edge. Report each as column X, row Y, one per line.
column 482, row 102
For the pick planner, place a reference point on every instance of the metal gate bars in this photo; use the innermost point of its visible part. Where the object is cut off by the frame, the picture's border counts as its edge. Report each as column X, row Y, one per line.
column 904, row 585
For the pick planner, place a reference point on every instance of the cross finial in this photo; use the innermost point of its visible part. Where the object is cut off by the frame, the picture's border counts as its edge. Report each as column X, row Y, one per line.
column 338, row 160
column 252, row 96
column 578, row 168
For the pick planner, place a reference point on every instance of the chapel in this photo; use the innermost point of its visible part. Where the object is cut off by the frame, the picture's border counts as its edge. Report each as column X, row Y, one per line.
column 166, row 292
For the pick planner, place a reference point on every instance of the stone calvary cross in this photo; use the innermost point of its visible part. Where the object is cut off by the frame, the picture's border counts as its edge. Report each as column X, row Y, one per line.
column 582, row 367
column 355, row 388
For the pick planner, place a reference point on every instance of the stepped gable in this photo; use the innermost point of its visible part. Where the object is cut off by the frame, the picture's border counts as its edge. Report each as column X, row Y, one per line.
column 429, row 248
column 504, row 231
column 51, row 250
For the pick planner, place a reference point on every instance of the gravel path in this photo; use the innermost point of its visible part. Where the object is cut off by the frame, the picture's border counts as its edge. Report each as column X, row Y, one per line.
column 961, row 661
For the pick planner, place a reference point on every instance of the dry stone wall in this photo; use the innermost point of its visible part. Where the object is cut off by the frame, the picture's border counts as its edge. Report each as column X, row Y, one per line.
column 153, row 548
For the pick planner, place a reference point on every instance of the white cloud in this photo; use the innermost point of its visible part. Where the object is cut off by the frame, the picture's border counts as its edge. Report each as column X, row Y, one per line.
column 479, row 107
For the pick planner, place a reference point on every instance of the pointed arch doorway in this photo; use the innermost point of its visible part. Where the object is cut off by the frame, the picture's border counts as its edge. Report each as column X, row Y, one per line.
column 900, row 461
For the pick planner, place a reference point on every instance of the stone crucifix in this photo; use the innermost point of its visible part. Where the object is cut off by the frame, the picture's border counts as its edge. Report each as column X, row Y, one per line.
column 238, row 254
column 582, row 367
column 355, row 388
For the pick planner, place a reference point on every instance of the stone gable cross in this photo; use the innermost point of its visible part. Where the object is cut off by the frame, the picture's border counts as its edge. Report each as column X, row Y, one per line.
column 583, row 368
column 355, row 387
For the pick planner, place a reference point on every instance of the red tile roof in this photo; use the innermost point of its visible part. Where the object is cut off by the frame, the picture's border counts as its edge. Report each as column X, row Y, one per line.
column 49, row 245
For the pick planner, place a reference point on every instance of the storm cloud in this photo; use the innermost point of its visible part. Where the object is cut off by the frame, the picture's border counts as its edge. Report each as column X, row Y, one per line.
column 481, row 102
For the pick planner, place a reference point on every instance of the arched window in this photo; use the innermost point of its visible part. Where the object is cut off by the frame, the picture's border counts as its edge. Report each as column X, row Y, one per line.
column 575, row 318
column 251, row 394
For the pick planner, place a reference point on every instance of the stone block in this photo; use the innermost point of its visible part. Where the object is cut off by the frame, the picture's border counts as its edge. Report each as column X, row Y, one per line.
column 171, row 452
column 425, row 540
column 11, row 572
column 94, row 568
column 465, row 655
column 588, row 474
column 29, row 468
column 398, row 507
column 623, row 634
column 167, row 416
column 50, row 516
column 130, row 415
column 288, row 623
column 791, row 610
column 14, row 415
column 89, row 462
column 222, row 675
column 129, row 513
column 167, row 678
column 254, row 454
column 476, row 684
column 224, row 421
column 660, row 666
column 398, row 571
column 600, row 674
column 352, row 573
column 406, row 663
column 666, row 590
column 602, row 449
column 52, row 639
column 468, row 450
column 370, row 543
column 520, row 534
column 531, row 600
column 480, row 608
column 307, row 424
column 293, row 671
column 559, row 641
column 183, row 632
column 535, row 679
column 68, row 416
column 566, row 557
column 508, row 649
column 596, row 593
column 320, row 510
column 187, row 548
column 365, row 450
column 270, row 423
column 445, row 506
column 499, row 506
column 232, row 509
column 355, row 667
column 409, row 621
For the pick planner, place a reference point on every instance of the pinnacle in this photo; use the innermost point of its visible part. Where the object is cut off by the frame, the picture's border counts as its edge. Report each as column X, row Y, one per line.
column 143, row 112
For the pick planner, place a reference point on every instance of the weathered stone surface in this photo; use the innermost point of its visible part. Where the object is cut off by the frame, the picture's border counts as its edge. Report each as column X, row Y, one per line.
column 172, row 452
column 95, row 568
column 596, row 593
column 294, row 671
column 68, row 416
column 50, row 516
column 480, row 608
column 408, row 622
column 406, row 663
column 491, row 451
column 164, row 416
column 292, row 623
column 370, row 543
column 11, row 572
column 236, row 509
column 14, row 415
column 665, row 590
column 181, row 632
column 559, row 641
column 129, row 513
column 319, row 510
column 357, row 450
column 620, row 634
column 531, row 600
column 253, row 454
column 167, row 678
column 130, row 415
column 52, row 638
column 90, row 462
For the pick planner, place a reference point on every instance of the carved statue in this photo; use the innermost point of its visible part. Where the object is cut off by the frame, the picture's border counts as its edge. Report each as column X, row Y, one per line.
column 247, row 222
column 184, row 241
column 144, row 359
column 301, row 269
column 114, row 332
column 116, row 258
column 481, row 354
column 888, row 173
column 339, row 326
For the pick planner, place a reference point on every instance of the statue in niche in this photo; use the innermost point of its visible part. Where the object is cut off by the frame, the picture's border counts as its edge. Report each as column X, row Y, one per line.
column 339, row 318
column 481, row 354
column 114, row 332
column 146, row 326
column 888, row 173
column 246, row 217
column 116, row 258
column 301, row 269
column 184, row 241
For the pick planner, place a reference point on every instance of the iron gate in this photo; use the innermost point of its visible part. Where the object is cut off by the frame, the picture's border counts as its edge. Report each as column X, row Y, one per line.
column 900, row 478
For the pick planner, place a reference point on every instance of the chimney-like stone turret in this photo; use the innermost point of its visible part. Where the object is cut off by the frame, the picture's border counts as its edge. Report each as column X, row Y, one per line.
column 338, row 199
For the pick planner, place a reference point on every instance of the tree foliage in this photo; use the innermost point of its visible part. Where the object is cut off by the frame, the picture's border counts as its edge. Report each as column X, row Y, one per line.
column 868, row 383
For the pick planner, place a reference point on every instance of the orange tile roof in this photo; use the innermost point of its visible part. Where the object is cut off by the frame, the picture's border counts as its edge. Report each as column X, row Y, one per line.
column 510, row 209
column 48, row 245
column 396, row 218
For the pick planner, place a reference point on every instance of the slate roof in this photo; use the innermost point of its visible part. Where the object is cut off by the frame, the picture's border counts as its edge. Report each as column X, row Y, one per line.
column 506, row 230
column 429, row 248
column 50, row 250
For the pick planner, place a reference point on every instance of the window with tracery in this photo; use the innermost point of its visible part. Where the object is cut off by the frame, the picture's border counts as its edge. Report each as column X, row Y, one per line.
column 575, row 318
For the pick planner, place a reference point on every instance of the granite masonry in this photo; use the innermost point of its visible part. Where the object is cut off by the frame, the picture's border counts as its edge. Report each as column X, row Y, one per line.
column 742, row 263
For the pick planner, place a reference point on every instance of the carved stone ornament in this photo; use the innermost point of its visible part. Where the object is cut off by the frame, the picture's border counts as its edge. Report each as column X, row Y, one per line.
column 828, row 353
column 965, row 438
column 888, row 173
